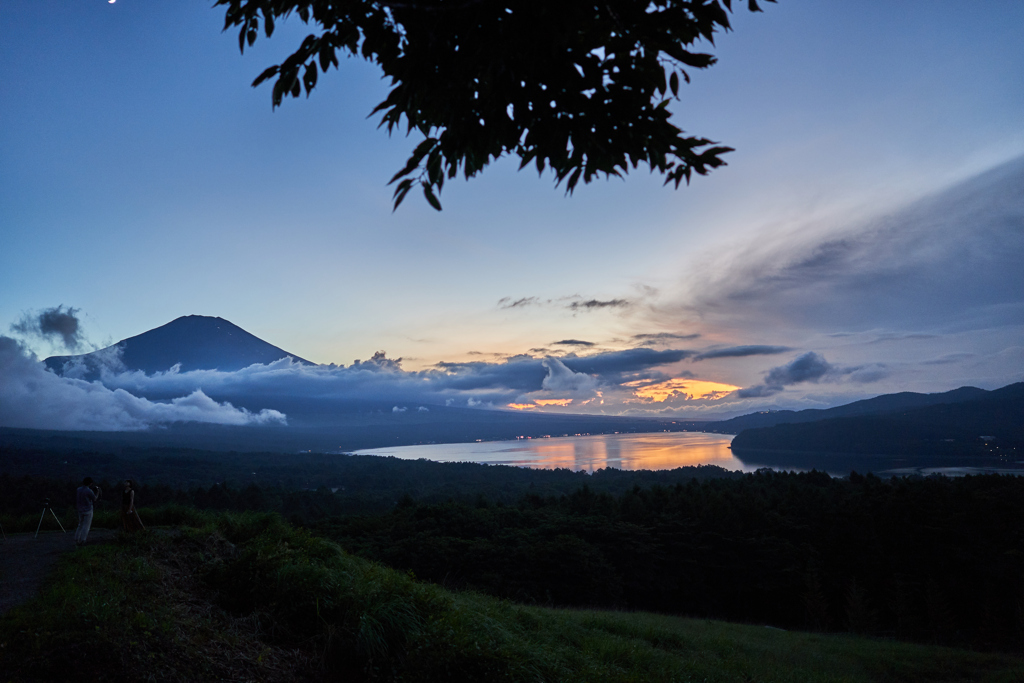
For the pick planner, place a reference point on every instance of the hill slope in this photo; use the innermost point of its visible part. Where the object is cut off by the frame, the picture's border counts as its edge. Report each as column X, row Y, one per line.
column 947, row 428
column 887, row 403
column 193, row 342
column 248, row 598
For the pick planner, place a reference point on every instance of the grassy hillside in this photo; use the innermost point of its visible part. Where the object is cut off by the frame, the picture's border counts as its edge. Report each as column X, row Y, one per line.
column 246, row 597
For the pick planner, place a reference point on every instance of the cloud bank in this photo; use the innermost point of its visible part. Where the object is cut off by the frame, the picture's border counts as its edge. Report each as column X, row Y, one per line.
column 950, row 262
column 31, row 397
column 476, row 383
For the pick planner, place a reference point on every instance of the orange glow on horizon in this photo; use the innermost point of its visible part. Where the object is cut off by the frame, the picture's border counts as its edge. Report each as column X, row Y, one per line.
column 553, row 401
column 688, row 389
column 521, row 406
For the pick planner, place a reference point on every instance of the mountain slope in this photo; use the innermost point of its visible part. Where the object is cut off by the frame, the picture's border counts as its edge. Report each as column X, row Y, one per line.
column 194, row 342
column 993, row 425
column 887, row 403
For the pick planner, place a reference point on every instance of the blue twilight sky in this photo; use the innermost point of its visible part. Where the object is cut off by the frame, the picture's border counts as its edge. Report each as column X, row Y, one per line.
column 866, row 237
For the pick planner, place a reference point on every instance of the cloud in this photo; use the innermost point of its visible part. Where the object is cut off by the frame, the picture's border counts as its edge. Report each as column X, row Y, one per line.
column 572, row 342
column 948, row 359
column 508, row 302
column 594, row 304
column 379, row 362
column 575, row 303
column 812, row 367
column 866, row 374
column 950, row 262
column 742, row 351
column 663, row 336
column 284, row 384
column 31, row 397
column 53, row 323
column 621, row 366
column 396, row 409
column 758, row 391
column 892, row 336
column 562, row 380
column 108, row 360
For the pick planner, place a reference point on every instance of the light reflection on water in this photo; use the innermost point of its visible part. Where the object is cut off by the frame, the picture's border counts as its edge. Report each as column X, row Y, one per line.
column 653, row 451
column 668, row 450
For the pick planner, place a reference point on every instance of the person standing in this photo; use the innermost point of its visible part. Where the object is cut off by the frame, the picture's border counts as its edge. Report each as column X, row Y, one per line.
column 130, row 520
column 85, row 498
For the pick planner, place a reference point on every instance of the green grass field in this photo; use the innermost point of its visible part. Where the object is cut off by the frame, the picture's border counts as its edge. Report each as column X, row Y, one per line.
column 247, row 597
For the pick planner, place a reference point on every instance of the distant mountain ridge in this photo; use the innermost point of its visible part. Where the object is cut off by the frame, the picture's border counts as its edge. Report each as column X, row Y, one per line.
column 991, row 425
column 886, row 403
column 194, row 342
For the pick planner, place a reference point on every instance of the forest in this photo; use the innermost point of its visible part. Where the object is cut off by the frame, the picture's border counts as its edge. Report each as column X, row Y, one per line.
column 933, row 559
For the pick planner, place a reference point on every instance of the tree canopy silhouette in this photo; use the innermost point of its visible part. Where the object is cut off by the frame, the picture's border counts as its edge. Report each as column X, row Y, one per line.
column 578, row 86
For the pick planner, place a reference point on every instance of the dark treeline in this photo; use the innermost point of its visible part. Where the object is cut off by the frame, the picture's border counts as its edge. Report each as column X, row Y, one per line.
column 27, row 495
column 934, row 560
column 304, row 487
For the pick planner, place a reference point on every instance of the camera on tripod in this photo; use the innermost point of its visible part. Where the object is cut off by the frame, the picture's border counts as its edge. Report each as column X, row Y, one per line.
column 46, row 506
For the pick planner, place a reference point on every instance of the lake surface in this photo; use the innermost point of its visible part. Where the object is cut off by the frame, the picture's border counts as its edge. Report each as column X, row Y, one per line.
column 668, row 450
column 651, row 451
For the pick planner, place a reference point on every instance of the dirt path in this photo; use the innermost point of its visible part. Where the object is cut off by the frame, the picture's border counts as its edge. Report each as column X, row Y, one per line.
column 25, row 561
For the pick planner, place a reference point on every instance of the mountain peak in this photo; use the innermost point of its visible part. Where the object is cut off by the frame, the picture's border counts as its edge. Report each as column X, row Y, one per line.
column 193, row 342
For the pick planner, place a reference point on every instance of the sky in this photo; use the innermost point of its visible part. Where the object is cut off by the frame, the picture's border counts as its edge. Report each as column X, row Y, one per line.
column 865, row 238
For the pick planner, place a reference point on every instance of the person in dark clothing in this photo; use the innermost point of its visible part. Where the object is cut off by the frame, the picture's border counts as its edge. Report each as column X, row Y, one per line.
column 130, row 520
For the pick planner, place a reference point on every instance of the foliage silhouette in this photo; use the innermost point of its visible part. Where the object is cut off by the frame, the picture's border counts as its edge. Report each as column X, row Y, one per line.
column 579, row 87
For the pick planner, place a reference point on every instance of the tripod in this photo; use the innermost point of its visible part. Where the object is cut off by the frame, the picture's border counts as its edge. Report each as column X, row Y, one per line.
column 46, row 506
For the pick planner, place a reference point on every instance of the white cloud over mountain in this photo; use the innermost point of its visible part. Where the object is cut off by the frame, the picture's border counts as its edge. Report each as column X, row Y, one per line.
column 32, row 397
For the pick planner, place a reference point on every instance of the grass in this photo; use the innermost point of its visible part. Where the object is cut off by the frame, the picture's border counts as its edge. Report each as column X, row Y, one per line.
column 246, row 597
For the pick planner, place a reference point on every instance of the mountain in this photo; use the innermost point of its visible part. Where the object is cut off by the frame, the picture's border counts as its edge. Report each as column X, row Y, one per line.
column 992, row 425
column 887, row 403
column 195, row 342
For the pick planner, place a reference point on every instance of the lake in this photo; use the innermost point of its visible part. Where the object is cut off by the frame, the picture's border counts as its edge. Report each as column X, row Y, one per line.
column 668, row 450
column 650, row 451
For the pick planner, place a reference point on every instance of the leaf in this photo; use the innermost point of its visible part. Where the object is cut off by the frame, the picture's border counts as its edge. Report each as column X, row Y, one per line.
column 429, row 194
column 434, row 167
column 673, row 84
column 421, row 151
column 309, row 77
column 267, row 73
column 400, row 192
column 327, row 56
column 278, row 93
column 573, row 179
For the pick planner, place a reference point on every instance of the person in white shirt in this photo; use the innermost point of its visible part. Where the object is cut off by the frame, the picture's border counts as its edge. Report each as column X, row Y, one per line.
column 86, row 496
